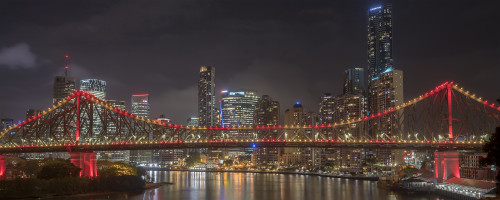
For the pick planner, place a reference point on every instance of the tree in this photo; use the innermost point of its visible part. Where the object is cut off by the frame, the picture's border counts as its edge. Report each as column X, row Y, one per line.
column 193, row 158
column 492, row 147
column 228, row 163
column 58, row 168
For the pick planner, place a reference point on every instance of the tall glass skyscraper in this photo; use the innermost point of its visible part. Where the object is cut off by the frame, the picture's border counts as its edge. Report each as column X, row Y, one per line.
column 238, row 107
column 379, row 40
column 354, row 81
column 95, row 87
column 141, row 108
column 140, row 105
column 63, row 87
column 98, row 89
column 206, row 97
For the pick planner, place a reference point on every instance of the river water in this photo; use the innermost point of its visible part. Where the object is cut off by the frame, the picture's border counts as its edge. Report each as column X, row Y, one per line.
column 254, row 186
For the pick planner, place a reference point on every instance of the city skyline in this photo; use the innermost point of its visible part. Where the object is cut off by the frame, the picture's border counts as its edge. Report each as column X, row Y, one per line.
column 308, row 89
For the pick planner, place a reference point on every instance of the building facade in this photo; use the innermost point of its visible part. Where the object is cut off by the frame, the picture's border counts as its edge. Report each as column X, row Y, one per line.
column 379, row 40
column 141, row 108
column 206, row 97
column 267, row 113
column 354, row 81
column 62, row 88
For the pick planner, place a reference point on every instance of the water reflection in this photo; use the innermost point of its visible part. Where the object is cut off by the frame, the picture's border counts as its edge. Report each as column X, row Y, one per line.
column 253, row 186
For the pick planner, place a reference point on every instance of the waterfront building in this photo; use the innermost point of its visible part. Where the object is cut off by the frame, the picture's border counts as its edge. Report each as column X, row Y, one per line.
column 206, row 97
column 386, row 93
column 471, row 168
column 168, row 156
column 304, row 157
column 267, row 113
column 115, row 156
column 141, row 108
column 379, row 40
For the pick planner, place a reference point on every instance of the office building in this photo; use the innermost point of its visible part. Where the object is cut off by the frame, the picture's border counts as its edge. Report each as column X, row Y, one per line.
column 267, row 113
column 379, row 40
column 62, row 88
column 206, row 97
column 115, row 156
column 141, row 108
column 327, row 109
column 238, row 107
column 354, row 81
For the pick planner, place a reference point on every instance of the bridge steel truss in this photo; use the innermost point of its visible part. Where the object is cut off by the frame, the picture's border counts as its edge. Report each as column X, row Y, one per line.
column 447, row 117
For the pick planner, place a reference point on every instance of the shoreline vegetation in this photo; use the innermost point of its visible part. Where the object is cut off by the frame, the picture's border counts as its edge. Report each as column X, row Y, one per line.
column 58, row 177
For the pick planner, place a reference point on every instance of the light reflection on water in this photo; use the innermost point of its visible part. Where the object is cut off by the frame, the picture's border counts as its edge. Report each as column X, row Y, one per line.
column 253, row 186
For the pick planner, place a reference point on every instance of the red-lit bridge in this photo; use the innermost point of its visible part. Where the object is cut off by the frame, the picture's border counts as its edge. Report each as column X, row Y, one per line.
column 447, row 118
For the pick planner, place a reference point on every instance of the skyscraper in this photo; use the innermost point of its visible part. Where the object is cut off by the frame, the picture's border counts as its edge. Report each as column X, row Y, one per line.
column 141, row 108
column 206, row 96
column 98, row 89
column 238, row 107
column 119, row 156
column 140, row 105
column 386, row 93
column 354, row 81
column 327, row 108
column 379, row 40
column 63, row 85
column 267, row 113
column 95, row 87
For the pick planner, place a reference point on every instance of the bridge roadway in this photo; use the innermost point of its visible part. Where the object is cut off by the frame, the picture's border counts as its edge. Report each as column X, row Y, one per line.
column 371, row 144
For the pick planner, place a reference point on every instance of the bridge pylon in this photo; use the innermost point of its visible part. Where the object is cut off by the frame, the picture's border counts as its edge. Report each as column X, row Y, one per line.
column 446, row 165
column 85, row 161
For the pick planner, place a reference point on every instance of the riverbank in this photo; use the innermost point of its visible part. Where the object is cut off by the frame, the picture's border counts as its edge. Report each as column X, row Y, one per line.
column 368, row 178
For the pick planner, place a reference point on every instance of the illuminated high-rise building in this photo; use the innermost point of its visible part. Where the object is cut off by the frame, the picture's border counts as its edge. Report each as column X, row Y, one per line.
column 141, row 108
column 238, row 107
column 267, row 113
column 307, row 157
column 116, row 156
column 98, row 89
column 206, row 97
column 354, row 81
column 327, row 109
column 140, row 105
column 63, row 85
column 386, row 93
column 95, row 87
column 379, row 40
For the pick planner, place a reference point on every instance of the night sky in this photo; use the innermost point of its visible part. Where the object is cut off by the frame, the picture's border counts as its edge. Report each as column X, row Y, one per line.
column 290, row 50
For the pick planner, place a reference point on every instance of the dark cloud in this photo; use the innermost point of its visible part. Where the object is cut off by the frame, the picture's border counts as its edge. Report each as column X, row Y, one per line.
column 17, row 56
column 290, row 50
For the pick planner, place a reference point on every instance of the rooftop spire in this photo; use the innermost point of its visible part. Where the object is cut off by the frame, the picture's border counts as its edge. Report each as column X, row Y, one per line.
column 66, row 66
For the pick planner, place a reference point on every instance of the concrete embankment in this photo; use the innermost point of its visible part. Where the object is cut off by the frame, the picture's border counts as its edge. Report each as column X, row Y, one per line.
column 368, row 178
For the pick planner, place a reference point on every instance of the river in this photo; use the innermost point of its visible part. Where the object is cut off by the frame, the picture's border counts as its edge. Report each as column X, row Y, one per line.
column 254, row 186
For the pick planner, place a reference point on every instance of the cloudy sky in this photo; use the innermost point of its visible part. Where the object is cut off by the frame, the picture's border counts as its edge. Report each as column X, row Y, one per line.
column 290, row 50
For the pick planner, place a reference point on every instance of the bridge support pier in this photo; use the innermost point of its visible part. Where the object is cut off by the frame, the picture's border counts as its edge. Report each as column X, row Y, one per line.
column 446, row 165
column 3, row 165
column 85, row 161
